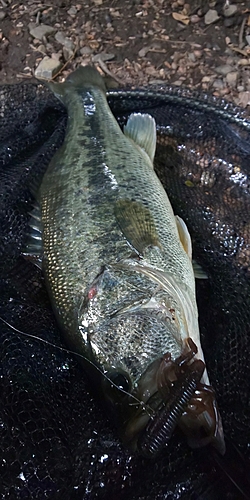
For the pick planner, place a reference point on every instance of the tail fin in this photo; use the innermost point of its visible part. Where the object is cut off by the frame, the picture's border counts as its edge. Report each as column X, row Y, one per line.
column 86, row 76
column 83, row 77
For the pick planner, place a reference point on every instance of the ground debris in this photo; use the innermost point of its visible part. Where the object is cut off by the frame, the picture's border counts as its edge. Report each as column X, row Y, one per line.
column 177, row 42
column 229, row 10
column 224, row 69
column 104, row 56
column 61, row 38
column 48, row 68
column 41, row 31
column 211, row 16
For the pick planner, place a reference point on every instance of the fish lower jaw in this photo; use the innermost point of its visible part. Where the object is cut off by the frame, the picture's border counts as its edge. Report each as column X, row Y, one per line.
column 178, row 398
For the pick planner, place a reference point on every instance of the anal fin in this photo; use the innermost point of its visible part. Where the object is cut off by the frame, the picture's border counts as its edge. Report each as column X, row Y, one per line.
column 186, row 242
column 184, row 235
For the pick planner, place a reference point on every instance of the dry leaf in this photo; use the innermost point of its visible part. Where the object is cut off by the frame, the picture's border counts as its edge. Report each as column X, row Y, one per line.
column 240, row 51
column 243, row 62
column 164, row 37
column 181, row 17
column 243, row 99
column 143, row 52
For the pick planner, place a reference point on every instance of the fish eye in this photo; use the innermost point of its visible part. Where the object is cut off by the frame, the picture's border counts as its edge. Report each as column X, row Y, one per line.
column 117, row 384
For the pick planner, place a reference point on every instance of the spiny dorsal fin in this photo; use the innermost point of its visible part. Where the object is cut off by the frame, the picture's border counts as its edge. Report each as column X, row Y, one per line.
column 141, row 129
column 137, row 224
column 33, row 248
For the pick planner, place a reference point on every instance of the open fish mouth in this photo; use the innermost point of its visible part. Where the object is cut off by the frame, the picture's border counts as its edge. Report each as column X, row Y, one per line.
column 180, row 399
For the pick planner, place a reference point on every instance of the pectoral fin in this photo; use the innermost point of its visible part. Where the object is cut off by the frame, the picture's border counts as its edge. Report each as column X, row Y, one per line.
column 141, row 129
column 137, row 224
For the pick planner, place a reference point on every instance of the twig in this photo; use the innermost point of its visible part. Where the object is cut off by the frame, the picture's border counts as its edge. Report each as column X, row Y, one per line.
column 65, row 64
column 106, row 70
column 37, row 49
column 158, row 51
column 38, row 17
column 39, row 9
column 24, row 75
column 240, row 51
column 180, row 42
column 241, row 44
column 196, row 8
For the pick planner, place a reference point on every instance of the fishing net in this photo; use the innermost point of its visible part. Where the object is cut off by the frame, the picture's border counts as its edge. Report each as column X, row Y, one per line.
column 56, row 440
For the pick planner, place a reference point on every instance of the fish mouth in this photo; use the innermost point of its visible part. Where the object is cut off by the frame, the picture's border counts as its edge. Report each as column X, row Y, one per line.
column 177, row 398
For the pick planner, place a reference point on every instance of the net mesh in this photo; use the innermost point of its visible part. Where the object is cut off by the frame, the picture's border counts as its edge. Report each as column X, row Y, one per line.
column 56, row 441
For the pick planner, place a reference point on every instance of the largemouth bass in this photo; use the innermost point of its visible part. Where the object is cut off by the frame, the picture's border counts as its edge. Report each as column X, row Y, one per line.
column 118, row 269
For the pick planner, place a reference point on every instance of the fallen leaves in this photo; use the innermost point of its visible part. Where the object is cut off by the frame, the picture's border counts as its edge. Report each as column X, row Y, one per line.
column 160, row 38
column 243, row 99
column 182, row 18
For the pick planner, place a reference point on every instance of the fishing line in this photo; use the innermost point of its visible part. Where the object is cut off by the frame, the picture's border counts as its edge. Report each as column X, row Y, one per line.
column 144, row 406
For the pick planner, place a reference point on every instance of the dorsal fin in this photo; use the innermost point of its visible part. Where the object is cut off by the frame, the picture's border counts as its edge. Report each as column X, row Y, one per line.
column 141, row 129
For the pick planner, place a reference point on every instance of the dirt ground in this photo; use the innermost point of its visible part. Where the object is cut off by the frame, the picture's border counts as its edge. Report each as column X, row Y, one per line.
column 200, row 44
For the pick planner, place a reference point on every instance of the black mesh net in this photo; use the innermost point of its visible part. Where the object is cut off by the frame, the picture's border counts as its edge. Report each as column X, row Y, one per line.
column 56, row 441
